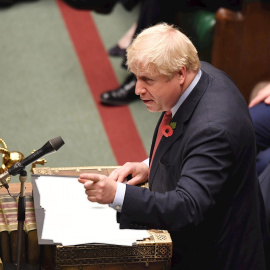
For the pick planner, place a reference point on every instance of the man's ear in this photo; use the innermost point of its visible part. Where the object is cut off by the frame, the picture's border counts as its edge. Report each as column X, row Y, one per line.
column 182, row 74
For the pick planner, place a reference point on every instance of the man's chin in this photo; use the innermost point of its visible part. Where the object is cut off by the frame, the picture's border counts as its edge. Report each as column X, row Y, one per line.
column 151, row 109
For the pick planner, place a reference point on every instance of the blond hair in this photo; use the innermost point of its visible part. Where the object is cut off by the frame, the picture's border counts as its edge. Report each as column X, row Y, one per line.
column 162, row 49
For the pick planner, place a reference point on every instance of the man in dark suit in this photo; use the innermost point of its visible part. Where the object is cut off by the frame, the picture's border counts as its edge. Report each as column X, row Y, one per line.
column 203, row 186
column 264, row 180
column 259, row 108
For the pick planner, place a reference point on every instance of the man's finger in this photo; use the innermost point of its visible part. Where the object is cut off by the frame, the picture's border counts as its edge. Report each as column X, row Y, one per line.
column 136, row 181
column 114, row 175
column 83, row 181
column 92, row 198
column 254, row 102
column 267, row 100
column 90, row 176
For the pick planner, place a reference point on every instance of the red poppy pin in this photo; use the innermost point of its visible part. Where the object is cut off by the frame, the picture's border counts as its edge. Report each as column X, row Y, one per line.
column 167, row 130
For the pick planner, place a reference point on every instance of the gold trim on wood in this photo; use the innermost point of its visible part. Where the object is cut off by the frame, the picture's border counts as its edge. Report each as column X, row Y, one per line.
column 74, row 171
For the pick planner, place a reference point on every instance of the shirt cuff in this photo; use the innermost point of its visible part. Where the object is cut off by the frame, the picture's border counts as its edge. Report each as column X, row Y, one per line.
column 119, row 197
column 146, row 162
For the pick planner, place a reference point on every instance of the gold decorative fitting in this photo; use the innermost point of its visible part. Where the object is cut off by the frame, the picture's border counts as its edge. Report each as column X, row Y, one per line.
column 9, row 158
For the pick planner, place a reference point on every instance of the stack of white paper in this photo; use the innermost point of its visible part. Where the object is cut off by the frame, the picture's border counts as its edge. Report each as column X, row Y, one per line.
column 65, row 216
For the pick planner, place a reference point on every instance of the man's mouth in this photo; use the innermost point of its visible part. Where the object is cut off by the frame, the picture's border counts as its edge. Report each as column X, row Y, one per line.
column 146, row 101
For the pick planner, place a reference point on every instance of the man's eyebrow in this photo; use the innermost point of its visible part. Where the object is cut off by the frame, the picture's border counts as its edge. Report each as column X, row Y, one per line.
column 144, row 77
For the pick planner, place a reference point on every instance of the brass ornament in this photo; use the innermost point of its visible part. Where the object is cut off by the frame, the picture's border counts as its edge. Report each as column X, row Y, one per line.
column 9, row 158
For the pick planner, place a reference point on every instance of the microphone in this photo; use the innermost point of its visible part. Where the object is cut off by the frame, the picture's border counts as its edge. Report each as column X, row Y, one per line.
column 51, row 146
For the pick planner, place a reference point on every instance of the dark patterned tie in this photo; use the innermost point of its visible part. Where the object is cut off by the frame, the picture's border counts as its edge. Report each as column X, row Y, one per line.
column 167, row 117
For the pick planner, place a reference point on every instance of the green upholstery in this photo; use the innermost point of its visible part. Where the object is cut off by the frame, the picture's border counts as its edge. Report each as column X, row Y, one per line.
column 199, row 27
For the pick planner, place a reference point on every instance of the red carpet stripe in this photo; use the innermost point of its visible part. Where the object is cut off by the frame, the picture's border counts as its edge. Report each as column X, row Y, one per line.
column 118, row 121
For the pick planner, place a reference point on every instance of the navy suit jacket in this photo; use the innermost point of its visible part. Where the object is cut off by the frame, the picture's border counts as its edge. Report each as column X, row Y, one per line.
column 264, row 180
column 203, row 184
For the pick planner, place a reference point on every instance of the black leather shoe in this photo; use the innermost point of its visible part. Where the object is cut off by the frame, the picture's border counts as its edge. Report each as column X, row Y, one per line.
column 122, row 95
column 100, row 6
column 7, row 3
column 117, row 51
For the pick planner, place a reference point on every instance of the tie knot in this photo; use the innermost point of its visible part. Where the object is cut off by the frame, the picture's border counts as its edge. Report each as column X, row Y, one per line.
column 167, row 117
column 169, row 112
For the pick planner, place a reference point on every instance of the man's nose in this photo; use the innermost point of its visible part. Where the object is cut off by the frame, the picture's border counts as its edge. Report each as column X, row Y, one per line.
column 139, row 88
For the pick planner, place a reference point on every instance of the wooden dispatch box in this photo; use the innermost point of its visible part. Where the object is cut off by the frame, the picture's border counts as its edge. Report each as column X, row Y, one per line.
column 152, row 253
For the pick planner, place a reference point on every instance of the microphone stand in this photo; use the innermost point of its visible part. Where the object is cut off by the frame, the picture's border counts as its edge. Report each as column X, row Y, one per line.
column 21, row 219
column 19, row 168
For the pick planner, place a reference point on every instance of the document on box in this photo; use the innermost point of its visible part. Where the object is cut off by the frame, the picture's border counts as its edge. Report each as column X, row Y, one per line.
column 65, row 216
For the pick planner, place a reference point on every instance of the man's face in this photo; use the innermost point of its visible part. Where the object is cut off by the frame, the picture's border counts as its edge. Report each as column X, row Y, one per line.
column 157, row 92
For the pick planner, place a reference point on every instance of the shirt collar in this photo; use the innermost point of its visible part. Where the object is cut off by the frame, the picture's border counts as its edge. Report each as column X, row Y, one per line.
column 186, row 93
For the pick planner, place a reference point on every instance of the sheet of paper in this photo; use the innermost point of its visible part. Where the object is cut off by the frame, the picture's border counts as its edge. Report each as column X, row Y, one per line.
column 65, row 216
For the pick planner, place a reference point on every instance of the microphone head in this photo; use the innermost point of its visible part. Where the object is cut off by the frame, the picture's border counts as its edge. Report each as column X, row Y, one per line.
column 57, row 143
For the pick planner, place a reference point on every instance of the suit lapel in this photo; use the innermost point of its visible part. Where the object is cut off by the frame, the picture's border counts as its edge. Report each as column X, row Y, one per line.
column 182, row 115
